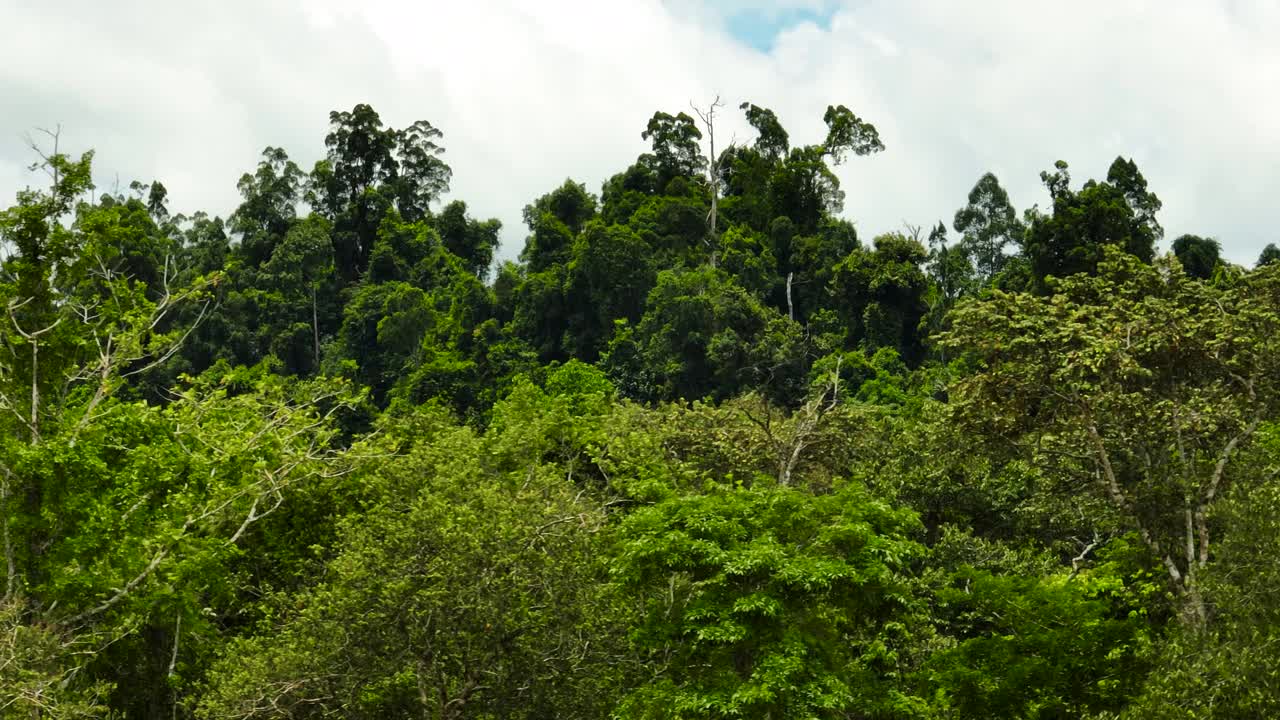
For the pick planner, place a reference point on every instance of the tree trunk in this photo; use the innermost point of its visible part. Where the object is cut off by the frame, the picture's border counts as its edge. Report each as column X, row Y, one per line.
column 35, row 391
column 713, row 173
column 1194, row 613
column 791, row 312
column 315, row 328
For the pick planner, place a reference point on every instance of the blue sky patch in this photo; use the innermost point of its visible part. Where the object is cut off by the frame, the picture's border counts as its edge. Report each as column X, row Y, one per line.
column 760, row 28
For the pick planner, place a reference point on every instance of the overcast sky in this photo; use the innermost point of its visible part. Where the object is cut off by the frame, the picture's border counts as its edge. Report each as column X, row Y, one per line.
column 529, row 93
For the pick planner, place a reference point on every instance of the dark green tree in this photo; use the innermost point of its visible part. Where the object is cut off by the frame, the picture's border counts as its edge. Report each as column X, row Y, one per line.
column 676, row 147
column 810, row 265
column 988, row 225
column 383, row 328
column 771, row 139
column 953, row 277
column 880, row 292
column 848, row 133
column 625, row 192
column 368, row 171
column 1199, row 256
column 422, row 176
column 609, row 277
column 269, row 205
column 703, row 335
column 1070, row 240
column 1270, row 254
column 745, row 173
column 302, row 306
column 473, row 241
column 554, row 220
column 805, row 190
column 1125, row 177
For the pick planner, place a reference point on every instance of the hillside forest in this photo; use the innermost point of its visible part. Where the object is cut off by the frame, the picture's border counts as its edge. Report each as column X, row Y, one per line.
column 705, row 450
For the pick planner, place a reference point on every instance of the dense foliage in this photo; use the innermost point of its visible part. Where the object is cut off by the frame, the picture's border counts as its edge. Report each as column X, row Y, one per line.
column 702, row 451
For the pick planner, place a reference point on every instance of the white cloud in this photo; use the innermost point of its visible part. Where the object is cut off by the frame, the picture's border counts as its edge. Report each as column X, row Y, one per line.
column 528, row 94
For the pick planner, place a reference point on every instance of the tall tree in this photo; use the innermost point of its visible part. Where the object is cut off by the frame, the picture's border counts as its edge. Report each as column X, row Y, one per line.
column 473, row 241
column 554, row 220
column 1070, row 240
column 422, row 176
column 361, row 155
column 988, row 224
column 609, row 277
column 848, row 133
column 805, row 190
column 300, row 276
column 369, row 170
column 1125, row 177
column 953, row 276
column 269, row 205
column 771, row 139
column 1199, row 256
column 676, row 148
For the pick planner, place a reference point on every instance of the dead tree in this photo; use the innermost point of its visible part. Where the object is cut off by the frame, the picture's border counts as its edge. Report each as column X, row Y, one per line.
column 708, row 117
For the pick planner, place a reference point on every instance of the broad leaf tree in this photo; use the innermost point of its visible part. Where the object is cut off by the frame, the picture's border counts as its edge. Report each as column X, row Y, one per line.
column 1137, row 384
column 769, row 602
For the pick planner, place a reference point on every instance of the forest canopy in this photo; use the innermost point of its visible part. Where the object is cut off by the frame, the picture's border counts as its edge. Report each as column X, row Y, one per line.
column 703, row 450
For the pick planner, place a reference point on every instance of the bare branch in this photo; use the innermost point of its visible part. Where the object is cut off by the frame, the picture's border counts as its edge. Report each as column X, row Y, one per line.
column 123, row 592
column 1084, row 553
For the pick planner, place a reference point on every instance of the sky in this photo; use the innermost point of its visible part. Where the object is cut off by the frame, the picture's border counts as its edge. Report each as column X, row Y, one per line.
column 531, row 93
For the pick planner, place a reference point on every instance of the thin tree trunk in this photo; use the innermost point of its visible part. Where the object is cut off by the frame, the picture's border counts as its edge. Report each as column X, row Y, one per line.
column 315, row 327
column 713, row 174
column 11, row 567
column 35, row 391
column 714, row 169
column 791, row 312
